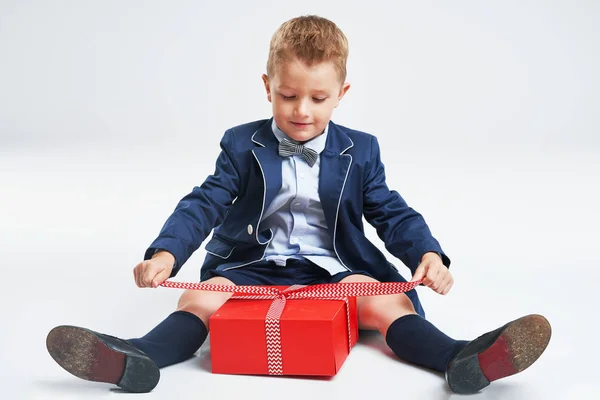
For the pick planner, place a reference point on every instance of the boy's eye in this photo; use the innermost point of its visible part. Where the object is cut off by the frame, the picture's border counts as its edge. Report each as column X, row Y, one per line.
column 315, row 99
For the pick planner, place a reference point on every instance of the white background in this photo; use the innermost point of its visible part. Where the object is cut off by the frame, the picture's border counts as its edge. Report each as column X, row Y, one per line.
column 487, row 114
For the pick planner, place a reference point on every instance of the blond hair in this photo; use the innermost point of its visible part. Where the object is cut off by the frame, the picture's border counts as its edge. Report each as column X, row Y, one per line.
column 311, row 39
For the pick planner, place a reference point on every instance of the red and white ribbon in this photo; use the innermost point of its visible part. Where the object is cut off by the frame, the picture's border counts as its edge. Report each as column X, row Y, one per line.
column 326, row 291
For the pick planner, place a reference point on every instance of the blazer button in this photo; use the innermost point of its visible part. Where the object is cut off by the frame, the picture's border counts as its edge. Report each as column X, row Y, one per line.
column 249, row 229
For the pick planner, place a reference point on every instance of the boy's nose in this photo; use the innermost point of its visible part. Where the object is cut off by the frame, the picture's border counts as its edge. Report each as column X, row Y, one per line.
column 301, row 108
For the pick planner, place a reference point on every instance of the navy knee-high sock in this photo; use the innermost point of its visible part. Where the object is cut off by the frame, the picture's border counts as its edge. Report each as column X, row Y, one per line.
column 174, row 340
column 416, row 340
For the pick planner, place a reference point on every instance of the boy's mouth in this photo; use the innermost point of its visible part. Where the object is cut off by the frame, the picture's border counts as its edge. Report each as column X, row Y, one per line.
column 300, row 124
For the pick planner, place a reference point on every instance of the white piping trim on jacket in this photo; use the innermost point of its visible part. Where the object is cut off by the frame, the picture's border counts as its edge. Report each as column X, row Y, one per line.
column 351, row 145
column 248, row 263
column 263, row 204
column 337, row 214
column 261, row 214
column 254, row 134
column 220, row 256
column 337, row 211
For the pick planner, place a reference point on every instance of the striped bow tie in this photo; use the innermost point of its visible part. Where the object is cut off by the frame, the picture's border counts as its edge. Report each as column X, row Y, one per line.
column 288, row 148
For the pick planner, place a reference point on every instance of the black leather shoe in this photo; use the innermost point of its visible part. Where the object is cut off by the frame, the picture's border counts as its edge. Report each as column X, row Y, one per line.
column 102, row 358
column 503, row 352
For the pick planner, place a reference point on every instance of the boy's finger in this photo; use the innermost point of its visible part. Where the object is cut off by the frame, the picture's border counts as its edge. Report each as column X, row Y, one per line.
column 442, row 288
column 430, row 278
column 438, row 278
column 419, row 273
column 446, row 284
column 436, row 285
column 441, row 280
column 417, row 277
column 449, row 287
column 149, row 275
column 160, row 278
column 137, row 276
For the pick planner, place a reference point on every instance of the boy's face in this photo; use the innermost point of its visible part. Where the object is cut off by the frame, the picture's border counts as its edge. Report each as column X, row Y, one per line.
column 304, row 97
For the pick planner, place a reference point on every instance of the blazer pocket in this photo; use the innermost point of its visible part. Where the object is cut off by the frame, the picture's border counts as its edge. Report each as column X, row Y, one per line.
column 219, row 247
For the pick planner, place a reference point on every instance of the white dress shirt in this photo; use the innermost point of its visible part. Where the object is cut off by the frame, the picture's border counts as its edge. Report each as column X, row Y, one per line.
column 295, row 215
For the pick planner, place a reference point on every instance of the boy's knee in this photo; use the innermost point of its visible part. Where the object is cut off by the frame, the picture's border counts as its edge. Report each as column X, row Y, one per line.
column 204, row 303
column 392, row 300
column 385, row 304
column 399, row 301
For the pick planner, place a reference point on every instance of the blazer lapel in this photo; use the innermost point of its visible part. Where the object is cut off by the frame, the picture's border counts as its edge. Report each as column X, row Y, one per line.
column 334, row 169
column 269, row 162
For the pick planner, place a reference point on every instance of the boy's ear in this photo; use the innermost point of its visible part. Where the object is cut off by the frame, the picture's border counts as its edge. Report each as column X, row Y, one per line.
column 265, row 79
column 343, row 91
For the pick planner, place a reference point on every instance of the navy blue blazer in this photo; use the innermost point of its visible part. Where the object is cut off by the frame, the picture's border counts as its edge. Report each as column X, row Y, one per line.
column 247, row 178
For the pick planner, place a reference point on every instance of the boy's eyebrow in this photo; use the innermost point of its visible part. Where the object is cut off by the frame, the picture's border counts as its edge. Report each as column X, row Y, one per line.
column 318, row 91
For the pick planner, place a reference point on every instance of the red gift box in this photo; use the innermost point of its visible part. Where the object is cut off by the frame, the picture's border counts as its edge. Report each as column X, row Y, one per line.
column 315, row 336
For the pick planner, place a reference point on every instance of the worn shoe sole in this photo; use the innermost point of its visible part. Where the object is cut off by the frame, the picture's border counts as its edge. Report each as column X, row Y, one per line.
column 96, row 357
column 506, row 351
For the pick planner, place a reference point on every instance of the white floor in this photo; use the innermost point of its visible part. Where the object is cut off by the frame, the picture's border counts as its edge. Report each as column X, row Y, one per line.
column 521, row 229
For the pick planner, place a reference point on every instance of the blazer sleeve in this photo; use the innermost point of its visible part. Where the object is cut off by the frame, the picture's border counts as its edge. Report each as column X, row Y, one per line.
column 402, row 229
column 200, row 211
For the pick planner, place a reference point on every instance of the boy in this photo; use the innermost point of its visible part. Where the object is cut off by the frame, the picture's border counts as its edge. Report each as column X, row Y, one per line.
column 286, row 203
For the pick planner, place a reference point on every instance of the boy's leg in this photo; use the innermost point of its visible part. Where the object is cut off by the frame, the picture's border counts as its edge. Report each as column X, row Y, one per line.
column 411, row 337
column 133, row 364
column 181, row 334
column 469, row 366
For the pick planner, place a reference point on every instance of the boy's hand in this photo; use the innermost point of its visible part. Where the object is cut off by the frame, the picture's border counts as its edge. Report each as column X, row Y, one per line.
column 434, row 273
column 153, row 272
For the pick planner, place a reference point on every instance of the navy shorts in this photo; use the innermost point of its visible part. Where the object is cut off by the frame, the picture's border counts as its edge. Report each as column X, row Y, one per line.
column 295, row 272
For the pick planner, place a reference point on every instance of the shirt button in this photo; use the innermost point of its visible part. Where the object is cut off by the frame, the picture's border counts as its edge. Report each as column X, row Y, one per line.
column 250, row 229
column 301, row 176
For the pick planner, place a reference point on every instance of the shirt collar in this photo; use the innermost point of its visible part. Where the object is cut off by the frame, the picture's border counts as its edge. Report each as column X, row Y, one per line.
column 317, row 144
